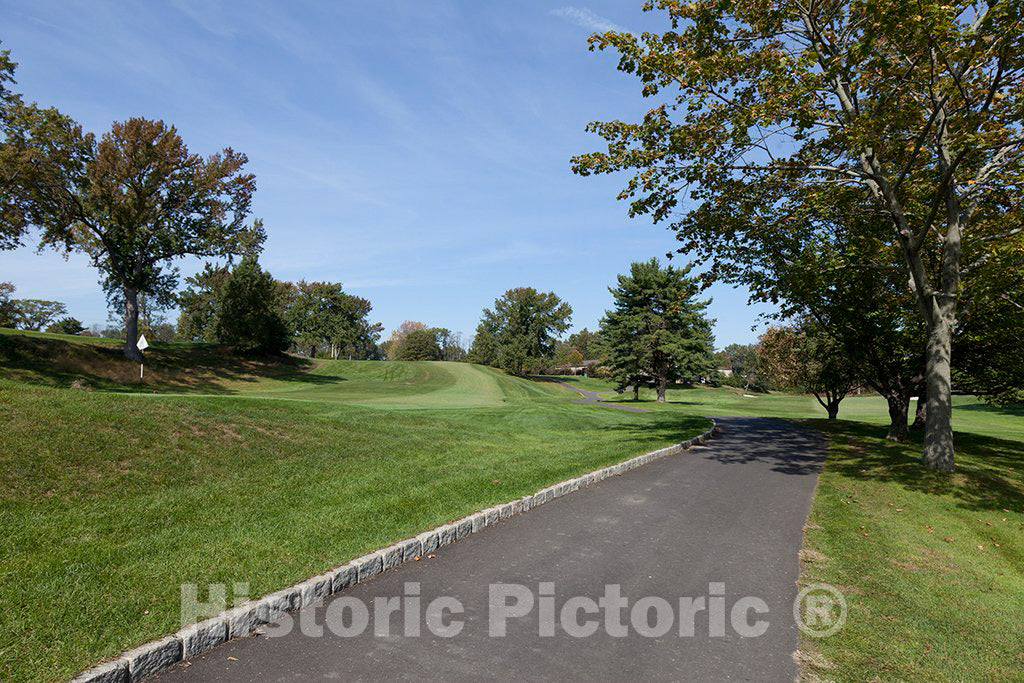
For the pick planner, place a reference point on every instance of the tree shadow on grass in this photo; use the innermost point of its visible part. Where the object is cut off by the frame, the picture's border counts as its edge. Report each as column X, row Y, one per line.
column 989, row 474
column 657, row 429
column 170, row 368
column 1016, row 409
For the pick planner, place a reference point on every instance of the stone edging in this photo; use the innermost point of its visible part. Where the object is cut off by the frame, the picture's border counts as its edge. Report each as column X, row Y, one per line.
column 241, row 621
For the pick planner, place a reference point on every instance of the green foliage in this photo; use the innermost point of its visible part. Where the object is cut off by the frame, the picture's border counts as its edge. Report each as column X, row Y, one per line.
column 989, row 345
column 12, row 160
column 590, row 344
column 36, row 314
column 8, row 311
column 745, row 362
column 321, row 315
column 658, row 330
column 67, row 325
column 905, row 115
column 199, row 303
column 248, row 319
column 806, row 358
column 395, row 340
column 133, row 201
column 485, row 347
column 419, row 345
column 519, row 334
column 450, row 343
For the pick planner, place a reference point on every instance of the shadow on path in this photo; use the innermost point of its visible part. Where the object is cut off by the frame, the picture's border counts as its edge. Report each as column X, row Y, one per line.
column 786, row 447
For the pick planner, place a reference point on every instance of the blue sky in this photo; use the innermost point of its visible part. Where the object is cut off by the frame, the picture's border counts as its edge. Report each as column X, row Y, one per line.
column 416, row 152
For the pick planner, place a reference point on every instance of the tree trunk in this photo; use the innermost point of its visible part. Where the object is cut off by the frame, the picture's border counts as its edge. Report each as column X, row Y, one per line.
column 898, row 407
column 662, row 382
column 938, row 427
column 636, row 391
column 131, row 324
column 922, row 410
column 832, row 409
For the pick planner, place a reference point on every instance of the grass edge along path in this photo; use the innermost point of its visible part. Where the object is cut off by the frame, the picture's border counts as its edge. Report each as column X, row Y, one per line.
column 931, row 565
column 110, row 501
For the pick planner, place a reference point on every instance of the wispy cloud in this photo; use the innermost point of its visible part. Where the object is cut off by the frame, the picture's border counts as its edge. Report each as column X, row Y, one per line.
column 581, row 16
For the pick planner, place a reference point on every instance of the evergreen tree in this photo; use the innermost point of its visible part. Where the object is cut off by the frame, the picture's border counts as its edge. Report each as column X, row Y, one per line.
column 658, row 331
column 67, row 325
column 200, row 303
column 249, row 320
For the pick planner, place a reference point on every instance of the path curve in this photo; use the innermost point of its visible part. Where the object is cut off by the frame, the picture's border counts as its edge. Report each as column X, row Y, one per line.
column 731, row 512
column 594, row 398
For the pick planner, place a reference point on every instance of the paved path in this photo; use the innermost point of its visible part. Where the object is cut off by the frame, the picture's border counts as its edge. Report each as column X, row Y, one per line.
column 594, row 398
column 731, row 512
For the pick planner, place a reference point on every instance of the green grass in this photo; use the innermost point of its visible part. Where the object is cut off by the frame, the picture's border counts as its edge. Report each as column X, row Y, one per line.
column 110, row 500
column 931, row 564
column 218, row 469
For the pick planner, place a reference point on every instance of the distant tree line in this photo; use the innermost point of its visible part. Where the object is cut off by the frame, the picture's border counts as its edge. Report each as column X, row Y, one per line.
column 246, row 308
column 414, row 340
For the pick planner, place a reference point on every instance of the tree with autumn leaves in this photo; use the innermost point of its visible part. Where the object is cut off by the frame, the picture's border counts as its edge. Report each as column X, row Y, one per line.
column 134, row 200
column 917, row 108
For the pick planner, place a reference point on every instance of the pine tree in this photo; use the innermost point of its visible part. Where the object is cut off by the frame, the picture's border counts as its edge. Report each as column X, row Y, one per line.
column 658, row 331
column 249, row 320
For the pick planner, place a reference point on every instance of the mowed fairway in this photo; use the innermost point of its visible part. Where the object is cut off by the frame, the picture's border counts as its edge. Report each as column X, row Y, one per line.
column 110, row 500
column 407, row 385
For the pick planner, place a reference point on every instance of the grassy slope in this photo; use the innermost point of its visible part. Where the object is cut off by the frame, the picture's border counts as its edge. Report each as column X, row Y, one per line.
column 926, row 601
column 111, row 500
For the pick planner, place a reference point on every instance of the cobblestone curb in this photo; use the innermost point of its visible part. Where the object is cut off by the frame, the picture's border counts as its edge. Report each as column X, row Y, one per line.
column 241, row 621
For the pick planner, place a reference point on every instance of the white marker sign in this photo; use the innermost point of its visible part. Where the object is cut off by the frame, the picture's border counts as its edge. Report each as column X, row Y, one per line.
column 143, row 345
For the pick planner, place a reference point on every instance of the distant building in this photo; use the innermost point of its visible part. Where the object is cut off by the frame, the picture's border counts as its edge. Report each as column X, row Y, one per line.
column 587, row 367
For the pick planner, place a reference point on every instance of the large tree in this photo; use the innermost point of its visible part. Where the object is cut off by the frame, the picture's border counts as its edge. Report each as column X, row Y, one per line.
column 8, row 310
column 744, row 362
column 588, row 343
column 66, row 325
column 658, row 327
column 834, row 265
column 12, row 157
column 805, row 357
column 323, row 316
column 134, row 200
column 248, row 318
column 918, row 105
column 399, row 333
column 36, row 314
column 199, row 303
column 519, row 333
column 419, row 345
